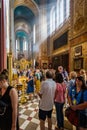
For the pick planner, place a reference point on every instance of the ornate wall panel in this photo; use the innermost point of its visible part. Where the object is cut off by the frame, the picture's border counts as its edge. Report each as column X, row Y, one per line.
column 86, row 14
column 78, row 34
column 79, row 57
column 78, row 17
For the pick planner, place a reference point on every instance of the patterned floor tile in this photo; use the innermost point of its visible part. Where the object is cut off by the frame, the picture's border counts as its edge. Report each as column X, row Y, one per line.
column 28, row 116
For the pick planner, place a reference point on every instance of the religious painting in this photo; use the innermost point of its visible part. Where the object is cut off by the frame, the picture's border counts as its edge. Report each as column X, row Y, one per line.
column 78, row 51
column 78, row 64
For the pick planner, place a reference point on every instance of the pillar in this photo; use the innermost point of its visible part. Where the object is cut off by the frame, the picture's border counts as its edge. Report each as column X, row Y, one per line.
column 0, row 36
column 11, row 40
column 3, row 59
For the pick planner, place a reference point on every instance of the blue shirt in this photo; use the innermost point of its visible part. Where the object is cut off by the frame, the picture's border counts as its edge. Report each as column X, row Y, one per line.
column 75, row 95
column 80, row 97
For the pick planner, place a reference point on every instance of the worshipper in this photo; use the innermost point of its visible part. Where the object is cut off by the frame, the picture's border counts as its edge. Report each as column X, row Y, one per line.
column 9, row 121
column 72, row 78
column 78, row 101
column 46, row 94
column 60, row 100
column 30, row 86
column 83, row 74
column 64, row 73
column 65, row 79
column 37, row 80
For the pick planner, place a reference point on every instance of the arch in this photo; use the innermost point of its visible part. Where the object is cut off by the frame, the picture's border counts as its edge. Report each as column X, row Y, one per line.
column 23, row 25
column 22, row 33
column 28, row 3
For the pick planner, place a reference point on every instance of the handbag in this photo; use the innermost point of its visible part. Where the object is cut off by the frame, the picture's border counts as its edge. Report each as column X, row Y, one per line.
column 72, row 116
column 3, row 107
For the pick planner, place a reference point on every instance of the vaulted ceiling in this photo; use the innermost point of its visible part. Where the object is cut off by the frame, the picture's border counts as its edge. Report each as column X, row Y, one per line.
column 24, row 17
column 24, row 13
column 37, row 1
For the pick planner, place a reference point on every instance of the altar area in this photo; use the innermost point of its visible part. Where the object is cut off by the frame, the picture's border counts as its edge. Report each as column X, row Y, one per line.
column 19, row 78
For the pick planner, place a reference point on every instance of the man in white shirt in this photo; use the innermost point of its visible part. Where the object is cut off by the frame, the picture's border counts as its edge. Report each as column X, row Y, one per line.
column 46, row 94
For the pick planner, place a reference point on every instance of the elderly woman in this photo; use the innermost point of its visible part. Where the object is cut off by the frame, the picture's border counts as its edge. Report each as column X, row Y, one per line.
column 78, row 101
column 83, row 74
column 72, row 78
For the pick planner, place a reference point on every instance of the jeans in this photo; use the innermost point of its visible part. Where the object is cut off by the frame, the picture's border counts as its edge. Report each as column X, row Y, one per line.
column 59, row 114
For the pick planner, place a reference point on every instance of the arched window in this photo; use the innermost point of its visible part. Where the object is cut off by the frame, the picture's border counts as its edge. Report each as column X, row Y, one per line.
column 52, row 20
column 62, row 11
column 17, row 44
column 25, row 45
column 61, row 8
column 34, row 36
column 58, row 13
column 67, row 8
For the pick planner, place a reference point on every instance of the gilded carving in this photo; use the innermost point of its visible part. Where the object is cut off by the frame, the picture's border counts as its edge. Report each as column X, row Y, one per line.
column 26, row 1
column 79, row 24
column 79, row 16
column 78, row 9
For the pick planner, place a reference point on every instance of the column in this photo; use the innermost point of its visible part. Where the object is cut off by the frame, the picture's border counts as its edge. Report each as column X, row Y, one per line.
column 2, row 44
column 11, row 40
column 0, row 37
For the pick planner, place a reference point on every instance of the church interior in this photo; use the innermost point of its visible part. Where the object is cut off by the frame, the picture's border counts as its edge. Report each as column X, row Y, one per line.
column 41, row 34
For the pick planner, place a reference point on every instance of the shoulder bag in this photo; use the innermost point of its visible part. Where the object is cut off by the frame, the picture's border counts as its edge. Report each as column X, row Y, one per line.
column 72, row 116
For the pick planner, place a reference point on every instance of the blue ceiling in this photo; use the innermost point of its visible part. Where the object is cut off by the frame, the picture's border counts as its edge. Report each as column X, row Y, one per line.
column 37, row 1
column 24, row 13
column 21, row 34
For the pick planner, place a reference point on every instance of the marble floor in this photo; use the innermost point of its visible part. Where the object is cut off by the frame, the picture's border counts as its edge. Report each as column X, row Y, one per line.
column 28, row 116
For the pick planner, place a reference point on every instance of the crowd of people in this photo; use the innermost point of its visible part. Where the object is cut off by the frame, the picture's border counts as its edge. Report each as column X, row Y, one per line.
column 58, row 88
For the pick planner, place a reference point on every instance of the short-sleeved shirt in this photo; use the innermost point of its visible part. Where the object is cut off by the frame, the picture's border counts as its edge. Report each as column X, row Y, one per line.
column 80, row 97
column 75, row 95
column 48, row 88
column 70, row 84
column 60, row 96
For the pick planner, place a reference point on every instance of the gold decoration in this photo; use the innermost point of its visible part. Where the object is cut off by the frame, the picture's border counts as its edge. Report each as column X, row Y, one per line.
column 22, row 64
column 23, row 98
column 10, row 67
column 79, row 24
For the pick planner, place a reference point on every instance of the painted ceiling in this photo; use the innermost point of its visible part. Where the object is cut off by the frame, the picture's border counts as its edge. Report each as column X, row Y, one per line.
column 21, row 34
column 24, row 13
column 37, row 1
